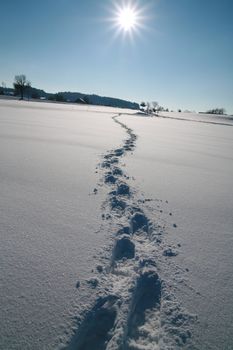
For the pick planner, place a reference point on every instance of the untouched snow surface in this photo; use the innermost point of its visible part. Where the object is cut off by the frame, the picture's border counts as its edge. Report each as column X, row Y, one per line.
column 116, row 229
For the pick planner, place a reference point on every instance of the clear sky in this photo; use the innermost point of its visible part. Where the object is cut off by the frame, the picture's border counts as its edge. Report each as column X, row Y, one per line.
column 181, row 55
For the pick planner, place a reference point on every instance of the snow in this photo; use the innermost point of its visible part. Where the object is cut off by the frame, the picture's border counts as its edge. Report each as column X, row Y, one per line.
column 49, row 216
column 188, row 165
column 116, row 229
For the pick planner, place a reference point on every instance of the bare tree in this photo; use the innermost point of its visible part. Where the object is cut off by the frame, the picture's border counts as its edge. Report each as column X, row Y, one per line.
column 148, row 109
column 160, row 108
column 2, row 88
column 142, row 105
column 219, row 111
column 155, row 106
column 21, row 84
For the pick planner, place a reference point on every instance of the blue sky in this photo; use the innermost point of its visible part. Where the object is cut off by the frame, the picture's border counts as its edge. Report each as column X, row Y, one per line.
column 182, row 56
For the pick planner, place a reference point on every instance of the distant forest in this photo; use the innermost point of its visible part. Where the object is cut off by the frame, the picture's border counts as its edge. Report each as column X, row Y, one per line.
column 24, row 90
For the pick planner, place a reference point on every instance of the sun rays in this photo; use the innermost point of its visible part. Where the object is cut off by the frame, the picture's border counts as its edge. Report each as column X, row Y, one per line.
column 127, row 19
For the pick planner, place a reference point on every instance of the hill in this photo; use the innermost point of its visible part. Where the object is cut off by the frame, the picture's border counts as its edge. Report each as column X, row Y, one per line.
column 74, row 96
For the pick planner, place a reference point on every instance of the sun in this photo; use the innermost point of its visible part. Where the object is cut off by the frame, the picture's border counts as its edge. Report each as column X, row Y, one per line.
column 127, row 18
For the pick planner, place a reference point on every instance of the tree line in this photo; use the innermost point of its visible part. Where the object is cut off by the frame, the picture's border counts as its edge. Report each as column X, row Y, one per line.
column 23, row 87
column 220, row 111
column 152, row 107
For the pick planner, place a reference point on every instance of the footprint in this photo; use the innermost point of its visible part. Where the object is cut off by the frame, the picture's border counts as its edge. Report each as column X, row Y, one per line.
column 95, row 331
column 139, row 221
column 117, row 204
column 147, row 295
column 110, row 179
column 123, row 189
column 117, row 171
column 106, row 164
column 124, row 248
column 119, row 152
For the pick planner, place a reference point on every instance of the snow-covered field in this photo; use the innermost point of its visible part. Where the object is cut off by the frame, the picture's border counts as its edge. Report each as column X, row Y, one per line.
column 116, row 229
column 186, row 160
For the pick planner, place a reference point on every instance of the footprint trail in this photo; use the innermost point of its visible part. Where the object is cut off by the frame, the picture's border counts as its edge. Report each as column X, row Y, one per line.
column 135, row 308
